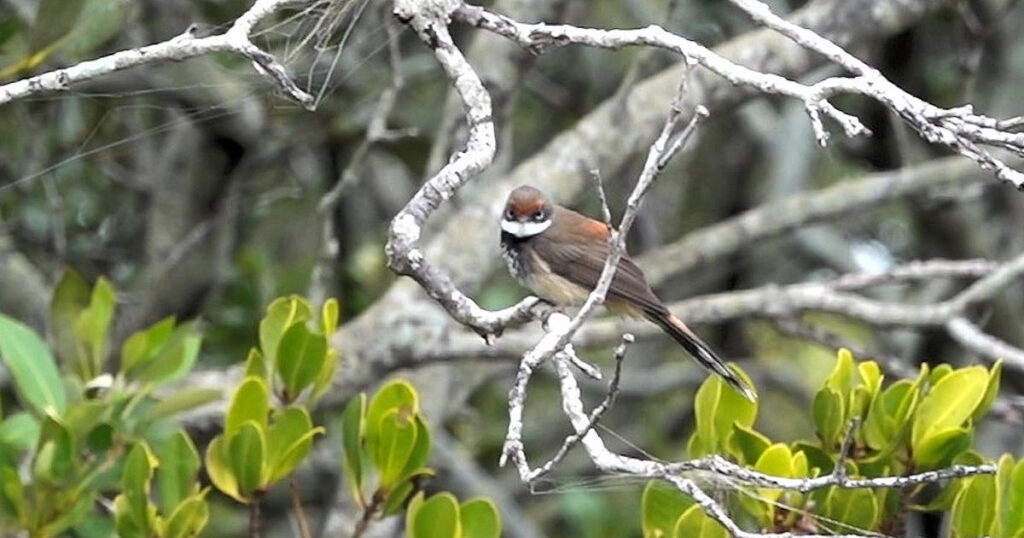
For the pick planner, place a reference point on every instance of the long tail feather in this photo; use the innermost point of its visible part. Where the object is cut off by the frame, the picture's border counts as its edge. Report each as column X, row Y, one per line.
column 700, row 351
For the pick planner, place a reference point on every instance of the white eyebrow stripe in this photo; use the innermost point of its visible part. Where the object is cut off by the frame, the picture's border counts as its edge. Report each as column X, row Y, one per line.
column 524, row 229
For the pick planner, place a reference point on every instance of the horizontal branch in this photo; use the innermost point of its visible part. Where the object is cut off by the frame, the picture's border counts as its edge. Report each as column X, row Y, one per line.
column 960, row 129
column 182, row 47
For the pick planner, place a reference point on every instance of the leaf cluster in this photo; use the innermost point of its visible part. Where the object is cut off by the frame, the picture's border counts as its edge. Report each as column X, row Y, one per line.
column 85, row 423
column 908, row 426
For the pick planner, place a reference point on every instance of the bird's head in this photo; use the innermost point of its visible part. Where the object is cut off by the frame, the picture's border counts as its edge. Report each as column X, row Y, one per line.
column 527, row 213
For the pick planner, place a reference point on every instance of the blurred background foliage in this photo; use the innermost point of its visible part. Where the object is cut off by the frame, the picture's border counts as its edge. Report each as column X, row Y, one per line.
column 194, row 189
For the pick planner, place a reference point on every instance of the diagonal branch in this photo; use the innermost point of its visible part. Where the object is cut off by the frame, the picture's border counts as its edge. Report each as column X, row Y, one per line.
column 184, row 46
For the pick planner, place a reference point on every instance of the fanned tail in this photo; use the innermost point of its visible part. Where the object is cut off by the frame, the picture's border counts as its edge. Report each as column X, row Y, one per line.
column 700, row 351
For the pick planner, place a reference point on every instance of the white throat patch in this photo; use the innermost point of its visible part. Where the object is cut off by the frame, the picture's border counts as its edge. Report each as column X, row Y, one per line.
column 524, row 229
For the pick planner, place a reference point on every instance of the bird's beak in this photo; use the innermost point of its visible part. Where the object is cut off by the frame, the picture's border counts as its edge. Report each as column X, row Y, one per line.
column 523, row 229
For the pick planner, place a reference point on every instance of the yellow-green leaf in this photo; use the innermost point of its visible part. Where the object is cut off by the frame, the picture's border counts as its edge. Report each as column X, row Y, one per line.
column 480, row 519
column 246, row 448
column 662, row 505
column 250, row 402
column 950, row 402
column 436, row 517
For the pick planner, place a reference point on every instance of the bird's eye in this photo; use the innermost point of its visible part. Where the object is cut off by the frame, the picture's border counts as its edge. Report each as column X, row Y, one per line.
column 509, row 215
column 538, row 216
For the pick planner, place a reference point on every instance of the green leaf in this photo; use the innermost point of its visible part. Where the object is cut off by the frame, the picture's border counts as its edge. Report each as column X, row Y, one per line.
column 218, row 467
column 436, row 517
column 401, row 492
column 939, row 448
column 135, row 482
column 1012, row 520
column 329, row 317
column 19, row 431
column 746, row 444
column 662, row 505
column 255, row 365
column 829, row 415
column 142, row 347
column 54, row 21
column 974, row 510
column 816, row 457
column 949, row 403
column 353, row 430
column 888, row 411
column 775, row 460
column 300, row 358
column 939, row 372
column 991, row 390
column 175, row 358
column 325, row 378
column 12, row 494
column 246, row 448
column 91, row 329
column 421, row 449
column 32, row 367
column 480, row 519
column 179, row 401
column 398, row 396
column 288, row 441
column 179, row 466
column 717, row 407
column 397, row 439
column 870, row 376
column 694, row 523
column 70, row 298
column 250, row 402
column 55, row 456
column 842, row 379
column 857, row 508
column 281, row 314
column 188, row 519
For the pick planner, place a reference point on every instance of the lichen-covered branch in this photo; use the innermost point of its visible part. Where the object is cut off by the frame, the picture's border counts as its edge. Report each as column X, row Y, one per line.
column 182, row 47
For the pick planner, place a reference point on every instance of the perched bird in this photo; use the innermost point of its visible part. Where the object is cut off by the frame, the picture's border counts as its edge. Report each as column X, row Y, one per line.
column 559, row 254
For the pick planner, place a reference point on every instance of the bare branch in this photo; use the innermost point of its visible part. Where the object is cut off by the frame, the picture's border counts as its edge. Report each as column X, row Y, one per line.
column 960, row 129
column 182, row 47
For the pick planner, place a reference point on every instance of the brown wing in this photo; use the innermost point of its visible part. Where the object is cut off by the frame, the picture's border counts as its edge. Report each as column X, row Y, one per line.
column 580, row 260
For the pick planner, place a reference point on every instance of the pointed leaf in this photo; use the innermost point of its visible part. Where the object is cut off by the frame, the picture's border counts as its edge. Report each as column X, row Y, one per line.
column 143, row 346
column 991, row 390
column 179, row 465
column 32, row 367
column 70, row 298
column 91, row 329
column 175, row 358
